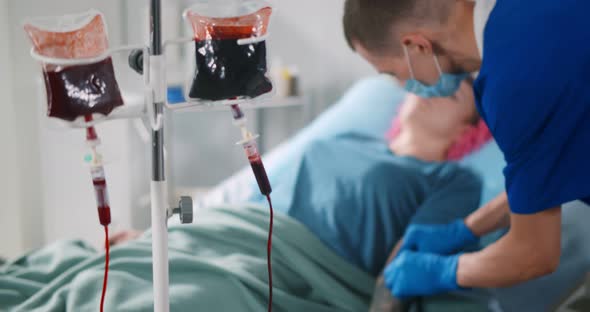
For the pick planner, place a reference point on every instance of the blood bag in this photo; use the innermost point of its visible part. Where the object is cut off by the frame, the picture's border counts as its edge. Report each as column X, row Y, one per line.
column 230, row 50
column 77, row 67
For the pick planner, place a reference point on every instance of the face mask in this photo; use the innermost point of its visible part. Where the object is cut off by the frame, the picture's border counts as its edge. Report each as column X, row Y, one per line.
column 446, row 86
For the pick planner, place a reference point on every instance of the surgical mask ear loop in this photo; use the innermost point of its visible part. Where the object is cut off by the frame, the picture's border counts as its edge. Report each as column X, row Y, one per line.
column 409, row 61
column 440, row 72
column 437, row 64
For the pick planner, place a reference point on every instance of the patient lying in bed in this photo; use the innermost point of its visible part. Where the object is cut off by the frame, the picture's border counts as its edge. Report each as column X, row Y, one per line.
column 355, row 193
column 358, row 195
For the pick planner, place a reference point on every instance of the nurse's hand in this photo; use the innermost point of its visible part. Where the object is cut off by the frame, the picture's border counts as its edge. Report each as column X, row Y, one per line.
column 443, row 239
column 414, row 274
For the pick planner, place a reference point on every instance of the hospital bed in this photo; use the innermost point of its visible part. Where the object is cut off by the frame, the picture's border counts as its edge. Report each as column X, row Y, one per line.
column 368, row 109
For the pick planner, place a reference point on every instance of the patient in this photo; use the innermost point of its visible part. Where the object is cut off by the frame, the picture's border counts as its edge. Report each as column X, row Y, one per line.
column 358, row 195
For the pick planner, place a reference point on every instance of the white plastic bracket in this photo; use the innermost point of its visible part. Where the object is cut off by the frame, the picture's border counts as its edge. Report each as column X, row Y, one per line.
column 251, row 40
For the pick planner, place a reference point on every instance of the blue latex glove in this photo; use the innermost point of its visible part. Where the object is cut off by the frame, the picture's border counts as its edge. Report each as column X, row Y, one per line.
column 414, row 274
column 443, row 239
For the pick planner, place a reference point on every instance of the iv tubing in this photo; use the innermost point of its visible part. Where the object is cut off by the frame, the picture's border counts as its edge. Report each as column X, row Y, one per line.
column 250, row 147
column 269, row 253
column 106, row 267
column 103, row 206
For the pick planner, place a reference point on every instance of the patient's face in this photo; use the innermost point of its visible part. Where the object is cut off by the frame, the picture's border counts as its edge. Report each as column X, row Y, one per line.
column 442, row 116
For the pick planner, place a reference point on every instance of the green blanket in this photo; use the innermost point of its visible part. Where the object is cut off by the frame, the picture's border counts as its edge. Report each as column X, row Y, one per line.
column 216, row 264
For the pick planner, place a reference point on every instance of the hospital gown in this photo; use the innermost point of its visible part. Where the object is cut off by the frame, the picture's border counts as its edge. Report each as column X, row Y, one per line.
column 358, row 197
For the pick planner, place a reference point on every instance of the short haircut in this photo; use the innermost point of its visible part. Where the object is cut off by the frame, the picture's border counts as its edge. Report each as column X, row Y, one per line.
column 374, row 23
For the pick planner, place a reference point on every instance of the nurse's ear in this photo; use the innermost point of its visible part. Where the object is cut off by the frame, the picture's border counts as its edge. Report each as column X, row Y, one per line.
column 421, row 58
column 417, row 43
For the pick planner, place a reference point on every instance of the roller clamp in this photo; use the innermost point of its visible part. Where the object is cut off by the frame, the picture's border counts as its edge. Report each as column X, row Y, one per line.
column 184, row 209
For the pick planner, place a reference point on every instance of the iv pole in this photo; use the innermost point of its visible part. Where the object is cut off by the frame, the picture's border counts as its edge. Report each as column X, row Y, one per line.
column 154, row 72
column 159, row 198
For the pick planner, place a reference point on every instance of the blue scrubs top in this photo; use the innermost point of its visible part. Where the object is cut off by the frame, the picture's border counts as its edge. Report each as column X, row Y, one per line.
column 533, row 90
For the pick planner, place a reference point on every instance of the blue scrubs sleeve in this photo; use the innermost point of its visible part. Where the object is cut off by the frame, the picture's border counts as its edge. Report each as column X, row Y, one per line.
column 533, row 92
column 543, row 127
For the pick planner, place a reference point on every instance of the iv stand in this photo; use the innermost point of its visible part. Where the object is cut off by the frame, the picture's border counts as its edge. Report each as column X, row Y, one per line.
column 159, row 198
column 151, row 63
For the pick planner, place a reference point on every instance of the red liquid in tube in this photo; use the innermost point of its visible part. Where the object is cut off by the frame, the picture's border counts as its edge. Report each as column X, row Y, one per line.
column 102, row 200
column 260, row 174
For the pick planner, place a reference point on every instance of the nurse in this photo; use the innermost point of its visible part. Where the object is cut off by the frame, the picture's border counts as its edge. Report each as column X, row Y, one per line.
column 533, row 59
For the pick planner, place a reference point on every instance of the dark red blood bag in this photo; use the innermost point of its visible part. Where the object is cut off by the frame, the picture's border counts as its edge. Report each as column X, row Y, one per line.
column 77, row 68
column 230, row 51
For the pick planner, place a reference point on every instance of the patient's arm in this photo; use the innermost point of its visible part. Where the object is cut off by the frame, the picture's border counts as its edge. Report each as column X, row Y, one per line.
column 530, row 249
column 493, row 216
column 382, row 300
column 458, row 191
column 124, row 236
